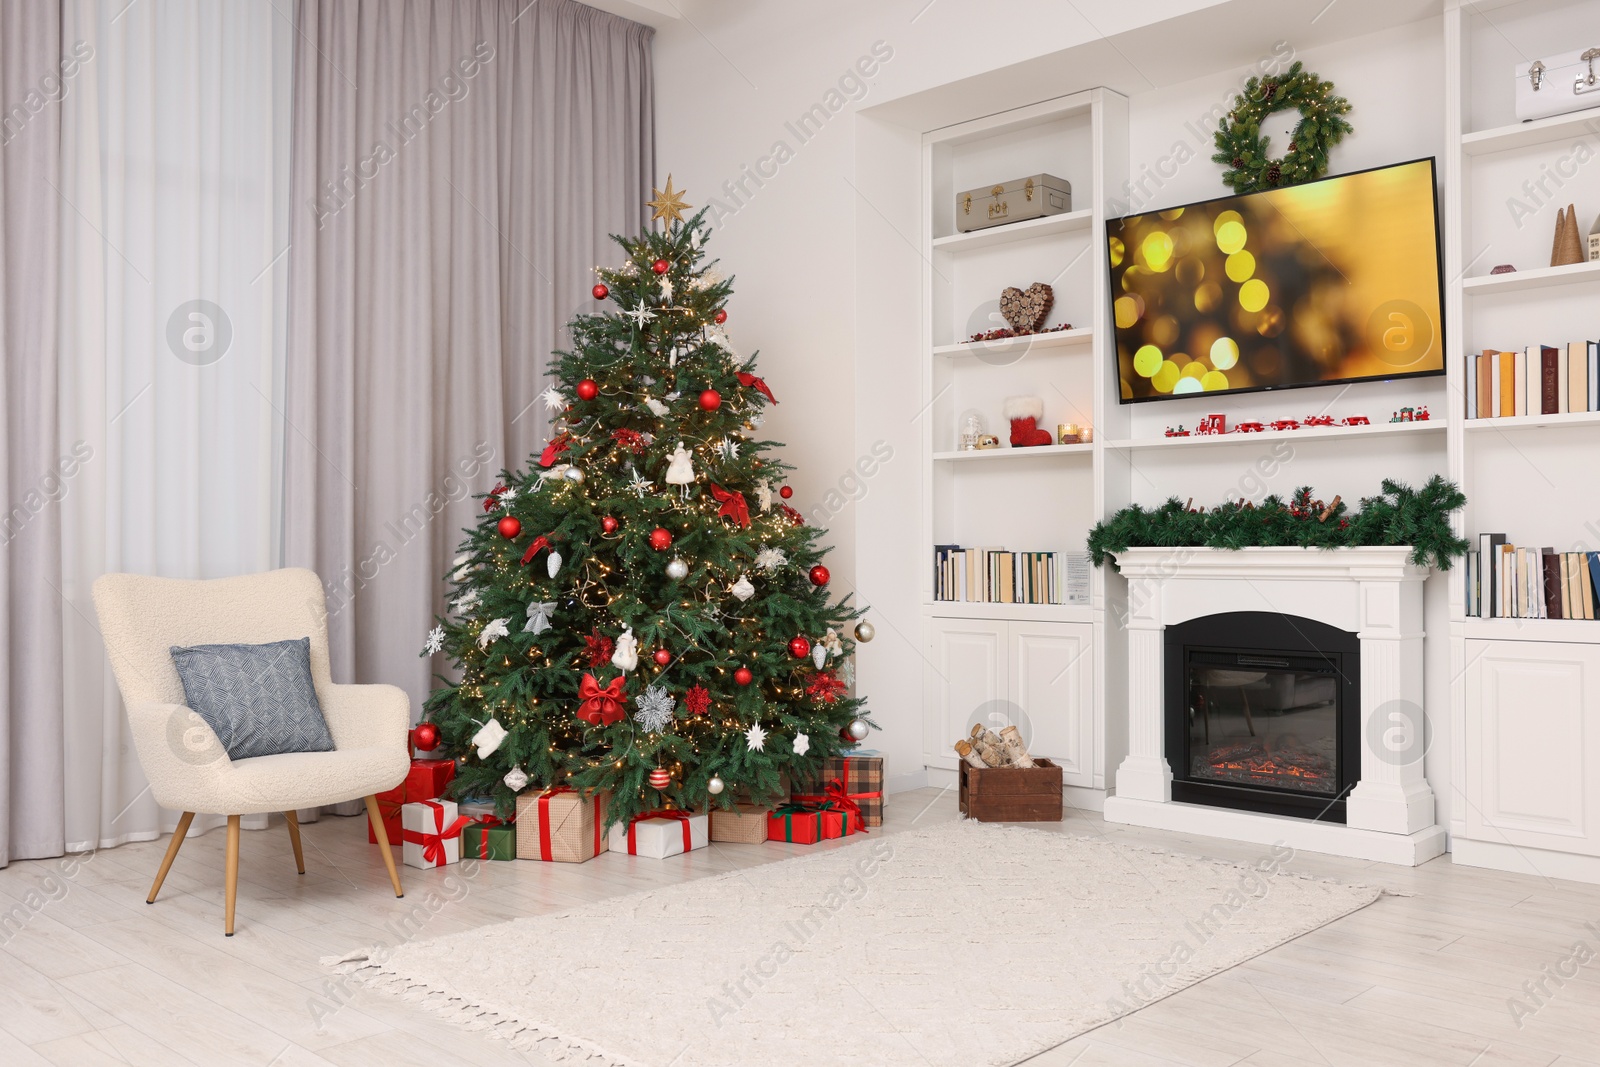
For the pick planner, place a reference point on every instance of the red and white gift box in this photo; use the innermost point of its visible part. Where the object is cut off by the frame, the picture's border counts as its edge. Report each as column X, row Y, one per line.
column 659, row 834
column 430, row 833
column 425, row 780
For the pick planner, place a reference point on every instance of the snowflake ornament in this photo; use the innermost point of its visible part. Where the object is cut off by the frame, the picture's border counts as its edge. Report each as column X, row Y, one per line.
column 639, row 484
column 554, row 399
column 656, row 708
column 640, row 315
column 728, row 449
column 435, row 642
column 755, row 738
column 770, row 559
column 495, row 629
column 697, row 700
column 802, row 744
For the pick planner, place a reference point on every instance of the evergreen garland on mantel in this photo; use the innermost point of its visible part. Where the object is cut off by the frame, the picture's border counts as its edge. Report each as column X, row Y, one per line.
column 1401, row 515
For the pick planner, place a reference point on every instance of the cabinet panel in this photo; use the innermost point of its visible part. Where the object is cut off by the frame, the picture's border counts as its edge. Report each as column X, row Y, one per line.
column 1533, row 744
column 965, row 670
column 1052, row 684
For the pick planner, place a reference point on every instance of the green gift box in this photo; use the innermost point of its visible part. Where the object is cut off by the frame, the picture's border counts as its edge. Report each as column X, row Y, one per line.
column 487, row 840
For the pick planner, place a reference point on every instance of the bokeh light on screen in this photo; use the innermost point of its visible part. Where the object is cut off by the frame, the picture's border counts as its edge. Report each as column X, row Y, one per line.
column 1330, row 281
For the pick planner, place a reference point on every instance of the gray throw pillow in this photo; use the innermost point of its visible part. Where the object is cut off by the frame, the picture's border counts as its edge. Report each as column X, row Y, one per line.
column 258, row 698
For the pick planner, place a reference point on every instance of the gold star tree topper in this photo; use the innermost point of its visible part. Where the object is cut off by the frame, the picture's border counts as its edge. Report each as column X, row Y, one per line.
column 667, row 205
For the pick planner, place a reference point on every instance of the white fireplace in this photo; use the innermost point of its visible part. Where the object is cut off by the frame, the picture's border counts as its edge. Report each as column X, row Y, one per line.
column 1374, row 593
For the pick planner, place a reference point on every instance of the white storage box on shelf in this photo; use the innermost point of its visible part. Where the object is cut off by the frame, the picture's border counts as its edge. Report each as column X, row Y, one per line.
column 1558, row 84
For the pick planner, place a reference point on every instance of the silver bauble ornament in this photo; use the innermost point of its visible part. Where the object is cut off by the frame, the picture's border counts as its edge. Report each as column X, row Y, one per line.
column 865, row 631
column 574, row 475
column 715, row 786
column 677, row 570
column 859, row 729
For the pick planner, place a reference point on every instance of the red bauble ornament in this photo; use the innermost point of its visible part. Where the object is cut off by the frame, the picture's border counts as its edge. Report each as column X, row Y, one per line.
column 663, row 657
column 743, row 676
column 660, row 779
column 600, row 291
column 587, row 389
column 509, row 526
column 721, row 316
column 660, row 539
column 711, row 400
column 660, row 266
column 425, row 736
column 799, row 647
column 786, row 492
column 819, row 575
column 608, row 525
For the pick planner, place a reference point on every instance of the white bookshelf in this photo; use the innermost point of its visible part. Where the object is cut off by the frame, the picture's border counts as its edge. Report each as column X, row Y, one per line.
column 1047, row 660
column 1305, row 433
column 1525, row 693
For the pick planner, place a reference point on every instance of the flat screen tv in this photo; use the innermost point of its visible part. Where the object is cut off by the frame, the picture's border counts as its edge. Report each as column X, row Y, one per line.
column 1333, row 281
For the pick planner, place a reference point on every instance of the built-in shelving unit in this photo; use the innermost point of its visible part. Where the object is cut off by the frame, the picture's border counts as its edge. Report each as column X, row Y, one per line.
column 1525, row 693
column 1041, row 665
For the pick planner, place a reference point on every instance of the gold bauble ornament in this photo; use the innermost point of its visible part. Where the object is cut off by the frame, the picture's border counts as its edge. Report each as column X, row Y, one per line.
column 865, row 631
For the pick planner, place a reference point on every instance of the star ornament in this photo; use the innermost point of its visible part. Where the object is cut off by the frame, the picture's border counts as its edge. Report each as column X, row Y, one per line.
column 755, row 738
column 668, row 205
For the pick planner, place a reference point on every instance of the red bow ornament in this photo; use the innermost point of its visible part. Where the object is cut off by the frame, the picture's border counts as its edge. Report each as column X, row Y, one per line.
column 750, row 381
column 558, row 444
column 733, row 505
column 600, row 707
column 539, row 543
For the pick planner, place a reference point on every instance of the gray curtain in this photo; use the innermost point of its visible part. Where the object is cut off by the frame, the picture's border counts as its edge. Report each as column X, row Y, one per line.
column 33, row 477
column 458, row 166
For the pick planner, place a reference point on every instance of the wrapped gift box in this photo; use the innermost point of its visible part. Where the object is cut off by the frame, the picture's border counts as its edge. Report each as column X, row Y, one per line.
column 746, row 824
column 488, row 838
column 475, row 808
column 838, row 822
column 860, row 776
column 795, row 822
column 561, row 826
column 427, row 779
column 430, row 833
column 659, row 834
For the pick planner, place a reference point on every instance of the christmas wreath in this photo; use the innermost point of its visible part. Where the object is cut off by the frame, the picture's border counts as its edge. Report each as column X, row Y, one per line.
column 1399, row 515
column 1245, row 153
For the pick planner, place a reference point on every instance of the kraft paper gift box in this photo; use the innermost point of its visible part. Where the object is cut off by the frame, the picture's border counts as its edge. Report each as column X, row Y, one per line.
column 659, row 834
column 797, row 823
column 430, row 833
column 489, row 838
column 746, row 824
column 862, row 778
column 561, row 826
column 425, row 780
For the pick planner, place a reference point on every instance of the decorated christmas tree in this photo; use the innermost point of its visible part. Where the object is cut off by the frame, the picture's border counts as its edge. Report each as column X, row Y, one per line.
column 640, row 610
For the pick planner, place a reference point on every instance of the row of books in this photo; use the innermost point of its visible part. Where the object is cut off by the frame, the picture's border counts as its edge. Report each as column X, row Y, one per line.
column 1507, row 582
column 1539, row 380
column 998, row 576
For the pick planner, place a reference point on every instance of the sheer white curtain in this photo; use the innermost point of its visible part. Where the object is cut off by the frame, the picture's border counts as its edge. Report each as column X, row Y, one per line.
column 175, row 142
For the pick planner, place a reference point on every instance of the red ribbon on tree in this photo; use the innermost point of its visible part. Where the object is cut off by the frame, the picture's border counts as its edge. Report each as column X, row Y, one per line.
column 750, row 381
column 540, row 542
column 733, row 505
column 544, row 818
column 600, row 707
column 681, row 816
column 557, row 445
column 433, row 844
column 493, row 498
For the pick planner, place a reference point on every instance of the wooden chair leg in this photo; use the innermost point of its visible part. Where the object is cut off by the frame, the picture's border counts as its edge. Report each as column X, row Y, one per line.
column 382, row 834
column 231, row 876
column 294, row 839
column 172, row 854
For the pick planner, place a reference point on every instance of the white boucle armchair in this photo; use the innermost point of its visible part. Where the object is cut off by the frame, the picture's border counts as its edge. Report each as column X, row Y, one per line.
column 141, row 618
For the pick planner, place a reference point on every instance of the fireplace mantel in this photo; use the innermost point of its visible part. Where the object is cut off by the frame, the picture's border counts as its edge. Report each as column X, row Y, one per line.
column 1373, row 592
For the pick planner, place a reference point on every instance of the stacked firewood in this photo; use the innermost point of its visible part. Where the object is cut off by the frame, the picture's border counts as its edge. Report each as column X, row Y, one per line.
column 985, row 748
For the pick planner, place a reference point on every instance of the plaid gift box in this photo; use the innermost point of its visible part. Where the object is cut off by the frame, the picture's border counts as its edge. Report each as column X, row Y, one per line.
column 795, row 822
column 430, row 833
column 659, row 834
column 426, row 780
column 488, row 838
column 746, row 824
column 862, row 777
column 561, row 826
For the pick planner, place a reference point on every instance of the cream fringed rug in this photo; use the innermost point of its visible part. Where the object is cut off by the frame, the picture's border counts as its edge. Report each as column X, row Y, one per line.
column 959, row 945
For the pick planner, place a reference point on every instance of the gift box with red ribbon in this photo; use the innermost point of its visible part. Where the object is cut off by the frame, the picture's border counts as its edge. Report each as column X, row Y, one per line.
column 430, row 833
column 426, row 780
column 841, row 815
column 488, row 837
column 798, row 823
column 659, row 834
column 862, row 777
column 560, row 825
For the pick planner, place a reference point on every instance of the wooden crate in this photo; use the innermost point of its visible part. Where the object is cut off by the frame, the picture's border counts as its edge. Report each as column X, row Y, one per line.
column 1011, row 794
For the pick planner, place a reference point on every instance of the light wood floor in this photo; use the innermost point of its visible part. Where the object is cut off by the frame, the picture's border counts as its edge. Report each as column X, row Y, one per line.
column 90, row 974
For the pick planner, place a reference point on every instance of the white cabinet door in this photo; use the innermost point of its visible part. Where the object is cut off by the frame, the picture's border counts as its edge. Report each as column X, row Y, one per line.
column 1533, row 744
column 965, row 670
column 1052, row 688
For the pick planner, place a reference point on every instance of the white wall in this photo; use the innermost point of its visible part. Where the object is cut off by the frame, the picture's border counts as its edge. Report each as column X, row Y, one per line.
column 827, row 265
